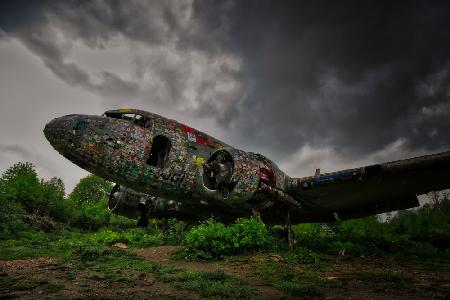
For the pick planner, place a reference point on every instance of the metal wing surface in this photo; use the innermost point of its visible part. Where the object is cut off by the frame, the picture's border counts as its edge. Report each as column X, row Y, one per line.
column 372, row 189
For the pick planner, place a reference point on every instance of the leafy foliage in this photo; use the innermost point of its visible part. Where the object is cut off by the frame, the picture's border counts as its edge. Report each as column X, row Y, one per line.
column 21, row 192
column 91, row 189
column 213, row 239
column 52, row 201
column 302, row 255
column 25, row 199
column 20, row 184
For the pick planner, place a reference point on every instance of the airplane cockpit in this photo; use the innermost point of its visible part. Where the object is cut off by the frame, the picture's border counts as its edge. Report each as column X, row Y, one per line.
column 129, row 115
column 161, row 145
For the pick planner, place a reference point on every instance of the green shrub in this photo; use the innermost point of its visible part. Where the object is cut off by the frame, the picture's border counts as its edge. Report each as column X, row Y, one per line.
column 248, row 234
column 117, row 222
column 302, row 255
column 139, row 237
column 12, row 227
column 207, row 240
column 404, row 246
column 106, row 237
column 213, row 239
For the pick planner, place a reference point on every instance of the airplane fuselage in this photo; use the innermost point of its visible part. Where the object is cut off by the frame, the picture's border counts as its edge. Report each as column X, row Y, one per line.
column 163, row 168
column 161, row 157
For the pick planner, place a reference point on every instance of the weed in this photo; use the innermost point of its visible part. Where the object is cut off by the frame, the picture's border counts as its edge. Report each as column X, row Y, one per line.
column 299, row 289
column 302, row 255
column 10, row 284
column 54, row 287
column 386, row 280
column 69, row 276
column 380, row 277
column 290, row 282
column 206, row 284
column 85, row 289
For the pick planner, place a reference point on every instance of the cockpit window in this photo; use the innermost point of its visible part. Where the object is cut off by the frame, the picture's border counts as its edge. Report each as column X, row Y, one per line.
column 159, row 153
column 129, row 117
column 134, row 118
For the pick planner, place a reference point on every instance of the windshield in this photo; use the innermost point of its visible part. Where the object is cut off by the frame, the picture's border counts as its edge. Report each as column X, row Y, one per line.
column 131, row 117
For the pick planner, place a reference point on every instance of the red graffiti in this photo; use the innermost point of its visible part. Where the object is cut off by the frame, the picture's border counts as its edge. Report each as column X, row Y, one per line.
column 195, row 136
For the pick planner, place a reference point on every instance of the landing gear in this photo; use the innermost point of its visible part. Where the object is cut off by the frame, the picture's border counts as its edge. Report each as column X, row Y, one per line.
column 143, row 216
column 289, row 231
column 145, row 208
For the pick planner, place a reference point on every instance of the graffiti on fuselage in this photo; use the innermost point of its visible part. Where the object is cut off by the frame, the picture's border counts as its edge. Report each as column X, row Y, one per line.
column 118, row 146
column 123, row 148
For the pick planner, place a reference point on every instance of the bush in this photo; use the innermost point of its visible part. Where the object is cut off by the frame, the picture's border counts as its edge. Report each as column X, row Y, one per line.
column 91, row 216
column 106, row 237
column 302, row 255
column 10, row 227
column 138, row 237
column 117, row 222
column 346, row 248
column 207, row 240
column 248, row 234
column 212, row 239
column 403, row 246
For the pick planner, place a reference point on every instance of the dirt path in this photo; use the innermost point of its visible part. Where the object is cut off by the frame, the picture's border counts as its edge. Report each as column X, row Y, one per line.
column 50, row 278
column 161, row 255
column 360, row 278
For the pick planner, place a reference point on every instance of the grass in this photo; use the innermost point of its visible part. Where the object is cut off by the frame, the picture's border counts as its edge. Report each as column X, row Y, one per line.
column 299, row 289
column 288, row 281
column 386, row 280
column 380, row 277
column 33, row 244
column 70, row 276
column 90, row 257
column 103, row 263
column 10, row 284
column 215, row 284
column 114, row 265
column 54, row 287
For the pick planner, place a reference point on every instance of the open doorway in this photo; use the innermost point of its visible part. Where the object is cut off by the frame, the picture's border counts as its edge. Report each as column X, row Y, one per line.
column 159, row 153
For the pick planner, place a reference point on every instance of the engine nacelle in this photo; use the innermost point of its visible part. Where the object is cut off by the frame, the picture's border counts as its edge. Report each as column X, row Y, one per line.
column 235, row 174
column 127, row 202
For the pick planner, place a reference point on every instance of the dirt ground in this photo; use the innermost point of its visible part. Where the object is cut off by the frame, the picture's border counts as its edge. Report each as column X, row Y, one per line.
column 48, row 278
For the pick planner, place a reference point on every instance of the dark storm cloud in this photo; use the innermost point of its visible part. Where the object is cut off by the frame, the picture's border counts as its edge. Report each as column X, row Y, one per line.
column 355, row 75
column 37, row 26
column 49, row 29
column 352, row 76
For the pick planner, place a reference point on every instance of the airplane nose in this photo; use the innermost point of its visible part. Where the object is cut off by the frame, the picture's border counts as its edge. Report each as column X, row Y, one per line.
column 61, row 131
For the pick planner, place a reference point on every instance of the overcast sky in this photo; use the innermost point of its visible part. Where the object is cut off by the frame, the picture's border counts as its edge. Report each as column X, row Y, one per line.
column 310, row 84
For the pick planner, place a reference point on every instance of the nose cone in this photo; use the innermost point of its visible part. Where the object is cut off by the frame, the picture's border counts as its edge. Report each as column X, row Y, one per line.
column 60, row 132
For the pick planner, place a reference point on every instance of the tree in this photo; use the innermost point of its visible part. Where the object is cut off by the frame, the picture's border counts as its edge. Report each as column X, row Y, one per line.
column 52, row 199
column 88, row 203
column 20, row 184
column 91, row 189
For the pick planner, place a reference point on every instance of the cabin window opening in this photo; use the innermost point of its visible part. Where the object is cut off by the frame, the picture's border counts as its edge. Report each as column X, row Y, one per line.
column 159, row 153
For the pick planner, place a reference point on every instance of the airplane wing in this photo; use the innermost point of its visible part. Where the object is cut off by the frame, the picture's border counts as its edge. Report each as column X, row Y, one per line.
column 370, row 190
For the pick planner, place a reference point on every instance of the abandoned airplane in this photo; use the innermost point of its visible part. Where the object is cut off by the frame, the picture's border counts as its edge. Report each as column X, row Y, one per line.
column 166, row 169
